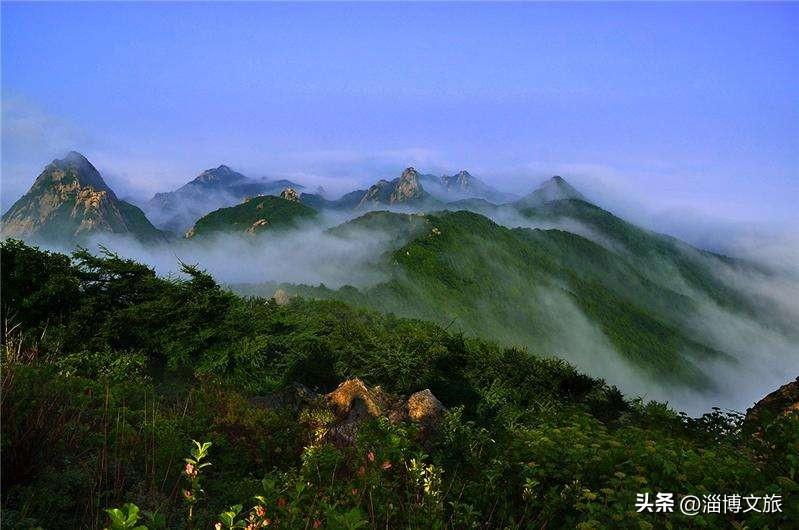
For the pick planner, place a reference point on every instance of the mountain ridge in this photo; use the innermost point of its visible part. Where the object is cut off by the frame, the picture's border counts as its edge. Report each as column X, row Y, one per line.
column 210, row 190
column 70, row 201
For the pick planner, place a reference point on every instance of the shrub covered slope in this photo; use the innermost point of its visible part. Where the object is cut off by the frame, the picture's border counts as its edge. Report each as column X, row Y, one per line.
column 109, row 371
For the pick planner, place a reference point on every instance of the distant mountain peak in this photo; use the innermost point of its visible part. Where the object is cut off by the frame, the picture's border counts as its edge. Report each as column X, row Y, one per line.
column 462, row 181
column 68, row 200
column 402, row 189
column 408, row 187
column 222, row 175
column 76, row 157
column 553, row 189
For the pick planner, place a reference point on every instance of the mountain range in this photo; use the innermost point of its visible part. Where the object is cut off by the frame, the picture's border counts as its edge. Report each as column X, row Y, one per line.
column 212, row 189
column 550, row 271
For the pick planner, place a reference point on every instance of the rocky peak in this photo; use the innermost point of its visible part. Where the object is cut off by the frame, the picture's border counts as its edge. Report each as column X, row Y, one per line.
column 70, row 199
column 218, row 175
column 290, row 194
column 407, row 187
column 461, row 181
column 73, row 172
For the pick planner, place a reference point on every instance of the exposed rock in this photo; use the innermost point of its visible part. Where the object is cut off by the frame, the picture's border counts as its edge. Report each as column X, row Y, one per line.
column 784, row 400
column 257, row 226
column 425, row 408
column 281, row 297
column 404, row 189
column 407, row 188
column 290, row 194
column 345, row 396
column 70, row 200
column 460, row 182
column 353, row 403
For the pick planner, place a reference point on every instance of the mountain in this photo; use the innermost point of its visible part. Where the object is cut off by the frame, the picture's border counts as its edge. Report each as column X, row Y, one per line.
column 348, row 201
column 591, row 287
column 212, row 189
column 254, row 216
column 411, row 188
column 515, row 285
column 460, row 186
column 70, row 201
column 403, row 190
column 553, row 189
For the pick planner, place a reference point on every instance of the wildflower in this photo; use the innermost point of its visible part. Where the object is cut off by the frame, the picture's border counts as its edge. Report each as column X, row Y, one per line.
column 281, row 502
column 266, row 522
column 354, row 491
column 190, row 470
column 386, row 465
column 218, row 526
column 259, row 511
column 187, row 494
column 371, row 456
column 317, row 523
column 361, row 471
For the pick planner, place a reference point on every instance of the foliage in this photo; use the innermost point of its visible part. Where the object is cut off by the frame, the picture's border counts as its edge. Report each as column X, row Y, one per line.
column 131, row 367
column 276, row 211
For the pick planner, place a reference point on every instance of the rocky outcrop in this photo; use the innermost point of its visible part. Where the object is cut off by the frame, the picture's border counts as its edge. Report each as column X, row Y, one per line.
column 784, row 400
column 424, row 408
column 407, row 188
column 257, row 226
column 290, row 194
column 353, row 403
column 281, row 297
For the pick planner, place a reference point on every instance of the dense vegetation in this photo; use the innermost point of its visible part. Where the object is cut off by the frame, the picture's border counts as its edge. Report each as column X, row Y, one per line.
column 109, row 372
column 461, row 269
column 259, row 213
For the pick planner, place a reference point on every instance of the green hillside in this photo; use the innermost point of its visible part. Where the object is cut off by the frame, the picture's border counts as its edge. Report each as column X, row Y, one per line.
column 514, row 285
column 109, row 372
column 253, row 216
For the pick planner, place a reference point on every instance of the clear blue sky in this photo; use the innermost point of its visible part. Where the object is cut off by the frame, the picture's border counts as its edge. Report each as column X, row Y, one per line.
column 679, row 105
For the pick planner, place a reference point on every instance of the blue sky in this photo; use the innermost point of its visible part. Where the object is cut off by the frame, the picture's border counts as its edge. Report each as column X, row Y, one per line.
column 686, row 108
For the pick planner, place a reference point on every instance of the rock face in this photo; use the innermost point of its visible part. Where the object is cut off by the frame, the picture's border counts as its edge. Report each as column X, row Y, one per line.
column 424, row 408
column 290, row 194
column 461, row 182
column 281, row 297
column 406, row 189
column 68, row 202
column 784, row 400
column 462, row 186
column 352, row 394
column 352, row 403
